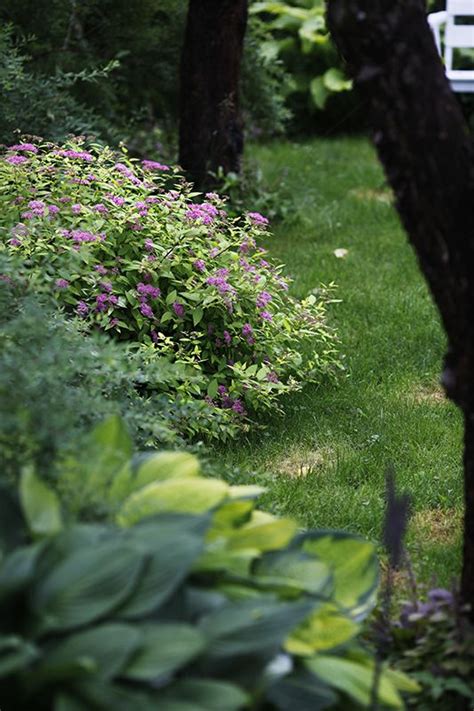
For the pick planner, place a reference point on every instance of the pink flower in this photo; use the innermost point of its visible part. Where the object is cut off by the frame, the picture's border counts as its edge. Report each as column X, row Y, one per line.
column 82, row 309
column 76, row 208
column 79, row 155
column 146, row 310
column 62, row 283
column 265, row 316
column 100, row 208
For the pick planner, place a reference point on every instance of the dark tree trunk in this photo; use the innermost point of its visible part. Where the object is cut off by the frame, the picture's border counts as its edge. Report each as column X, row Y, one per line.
column 427, row 153
column 211, row 131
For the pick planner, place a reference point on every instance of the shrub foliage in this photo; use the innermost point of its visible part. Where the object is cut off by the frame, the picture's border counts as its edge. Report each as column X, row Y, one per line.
column 128, row 248
column 192, row 599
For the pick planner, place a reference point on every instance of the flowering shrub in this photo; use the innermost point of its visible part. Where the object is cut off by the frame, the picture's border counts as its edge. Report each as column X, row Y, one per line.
column 122, row 245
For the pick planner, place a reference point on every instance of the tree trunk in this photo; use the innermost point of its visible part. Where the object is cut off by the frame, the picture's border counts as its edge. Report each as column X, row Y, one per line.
column 211, row 129
column 427, row 153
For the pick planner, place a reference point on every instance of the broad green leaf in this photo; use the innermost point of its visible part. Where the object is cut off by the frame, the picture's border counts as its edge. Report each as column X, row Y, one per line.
column 263, row 533
column 208, row 694
column 251, row 626
column 353, row 563
column 326, row 628
column 335, row 81
column 12, row 525
column 246, row 491
column 319, row 92
column 16, row 654
column 171, row 544
column 229, row 562
column 229, row 516
column 110, row 450
column 166, row 465
column 165, row 648
column 17, row 570
column 301, row 691
column 103, row 695
column 294, row 572
column 354, row 679
column 40, row 505
column 189, row 495
column 103, row 650
column 85, row 586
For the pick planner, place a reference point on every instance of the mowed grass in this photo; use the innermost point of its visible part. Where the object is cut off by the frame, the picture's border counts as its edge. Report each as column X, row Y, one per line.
column 324, row 461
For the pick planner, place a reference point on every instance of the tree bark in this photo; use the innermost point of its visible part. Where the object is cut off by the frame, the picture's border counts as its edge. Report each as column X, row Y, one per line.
column 427, row 153
column 211, row 128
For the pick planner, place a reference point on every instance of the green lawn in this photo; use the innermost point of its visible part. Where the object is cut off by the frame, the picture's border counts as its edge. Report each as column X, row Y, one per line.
column 324, row 461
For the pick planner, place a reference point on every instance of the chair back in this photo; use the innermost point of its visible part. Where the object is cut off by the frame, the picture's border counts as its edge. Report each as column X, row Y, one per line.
column 459, row 34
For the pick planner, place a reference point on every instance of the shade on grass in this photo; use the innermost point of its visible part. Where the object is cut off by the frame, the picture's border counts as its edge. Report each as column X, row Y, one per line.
column 324, row 462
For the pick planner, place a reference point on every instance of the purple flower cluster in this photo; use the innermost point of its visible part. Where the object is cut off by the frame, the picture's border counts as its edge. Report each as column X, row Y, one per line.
column 200, row 265
column 205, row 213
column 100, row 208
column 263, row 299
column 146, row 291
column 154, row 165
column 128, row 173
column 81, row 236
column 116, row 199
column 25, row 147
column 82, row 309
column 257, row 219
column 16, row 160
column 61, row 283
column 77, row 155
column 178, row 309
column 103, row 301
column 221, row 283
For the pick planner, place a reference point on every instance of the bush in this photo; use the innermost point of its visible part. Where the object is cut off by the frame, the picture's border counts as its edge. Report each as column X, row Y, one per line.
column 42, row 104
column 433, row 641
column 123, row 247
column 297, row 36
column 194, row 601
column 56, row 381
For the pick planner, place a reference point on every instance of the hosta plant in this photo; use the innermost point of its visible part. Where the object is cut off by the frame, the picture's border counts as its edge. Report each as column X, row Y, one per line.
column 192, row 599
column 128, row 248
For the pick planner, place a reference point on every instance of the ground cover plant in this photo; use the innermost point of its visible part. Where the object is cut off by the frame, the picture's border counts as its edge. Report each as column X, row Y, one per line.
column 123, row 247
column 325, row 462
column 193, row 597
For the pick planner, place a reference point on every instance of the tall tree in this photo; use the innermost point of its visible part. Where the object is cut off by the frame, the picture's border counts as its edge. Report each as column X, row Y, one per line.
column 428, row 156
column 211, row 129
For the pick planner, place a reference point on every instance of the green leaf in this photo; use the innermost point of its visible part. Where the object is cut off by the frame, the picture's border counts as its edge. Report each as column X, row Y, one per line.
column 251, row 626
column 294, row 571
column 16, row 654
column 171, row 543
column 354, row 679
column 326, row 628
column 301, row 691
column 189, row 495
column 212, row 388
column 353, row 563
column 319, row 92
column 86, row 586
column 18, row 569
column 165, row 648
column 334, row 80
column 166, row 465
column 208, row 694
column 198, row 313
column 263, row 533
column 103, row 650
column 40, row 505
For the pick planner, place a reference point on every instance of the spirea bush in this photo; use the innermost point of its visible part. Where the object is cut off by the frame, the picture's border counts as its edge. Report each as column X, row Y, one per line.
column 127, row 247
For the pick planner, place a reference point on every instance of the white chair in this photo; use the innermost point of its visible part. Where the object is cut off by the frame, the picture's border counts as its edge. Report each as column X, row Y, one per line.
column 457, row 35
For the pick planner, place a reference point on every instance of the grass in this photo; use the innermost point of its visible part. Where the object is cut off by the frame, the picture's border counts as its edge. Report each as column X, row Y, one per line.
column 324, row 461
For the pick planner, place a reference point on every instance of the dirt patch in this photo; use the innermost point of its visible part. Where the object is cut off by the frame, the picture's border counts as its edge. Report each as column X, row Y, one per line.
column 437, row 525
column 302, row 463
column 428, row 393
column 368, row 195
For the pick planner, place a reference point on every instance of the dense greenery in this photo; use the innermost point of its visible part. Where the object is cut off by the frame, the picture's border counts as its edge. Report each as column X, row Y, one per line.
column 196, row 598
column 122, row 246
